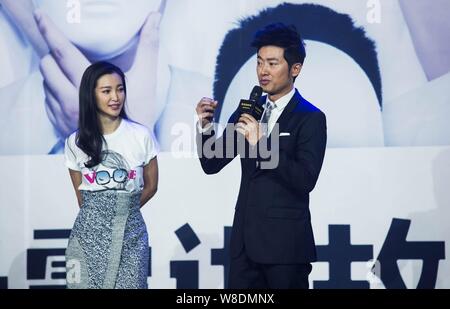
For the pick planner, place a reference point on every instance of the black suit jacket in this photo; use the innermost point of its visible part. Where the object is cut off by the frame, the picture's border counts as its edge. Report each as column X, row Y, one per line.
column 272, row 219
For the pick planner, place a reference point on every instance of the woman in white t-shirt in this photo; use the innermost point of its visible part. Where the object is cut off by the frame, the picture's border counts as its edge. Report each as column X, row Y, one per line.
column 113, row 166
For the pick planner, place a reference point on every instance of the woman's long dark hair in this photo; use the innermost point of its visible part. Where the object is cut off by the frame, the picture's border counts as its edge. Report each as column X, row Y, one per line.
column 89, row 137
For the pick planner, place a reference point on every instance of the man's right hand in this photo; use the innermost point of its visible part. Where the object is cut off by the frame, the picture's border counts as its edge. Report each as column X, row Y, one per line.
column 205, row 111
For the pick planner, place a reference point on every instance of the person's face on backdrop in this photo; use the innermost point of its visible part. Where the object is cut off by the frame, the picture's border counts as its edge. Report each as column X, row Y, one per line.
column 106, row 27
column 110, row 95
column 274, row 75
column 326, row 66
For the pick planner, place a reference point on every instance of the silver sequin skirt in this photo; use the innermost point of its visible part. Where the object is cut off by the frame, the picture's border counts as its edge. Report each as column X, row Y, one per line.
column 108, row 246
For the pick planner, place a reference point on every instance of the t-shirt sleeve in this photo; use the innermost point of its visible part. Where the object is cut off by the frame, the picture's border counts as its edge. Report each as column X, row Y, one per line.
column 151, row 147
column 69, row 154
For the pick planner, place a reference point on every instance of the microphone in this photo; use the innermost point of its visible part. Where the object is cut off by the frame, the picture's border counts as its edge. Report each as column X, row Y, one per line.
column 252, row 106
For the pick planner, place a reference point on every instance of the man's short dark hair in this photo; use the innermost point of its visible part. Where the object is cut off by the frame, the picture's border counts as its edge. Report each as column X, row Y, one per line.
column 286, row 37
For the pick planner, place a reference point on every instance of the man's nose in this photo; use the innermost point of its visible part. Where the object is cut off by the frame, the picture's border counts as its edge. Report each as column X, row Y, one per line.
column 263, row 70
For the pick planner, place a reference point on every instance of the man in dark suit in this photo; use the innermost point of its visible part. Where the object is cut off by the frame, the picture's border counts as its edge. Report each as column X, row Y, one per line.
column 272, row 242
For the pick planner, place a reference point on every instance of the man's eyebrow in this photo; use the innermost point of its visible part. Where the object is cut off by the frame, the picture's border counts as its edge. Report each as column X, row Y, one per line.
column 269, row 59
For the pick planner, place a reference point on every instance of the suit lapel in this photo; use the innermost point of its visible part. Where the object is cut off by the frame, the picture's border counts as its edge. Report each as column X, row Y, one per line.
column 282, row 121
column 287, row 112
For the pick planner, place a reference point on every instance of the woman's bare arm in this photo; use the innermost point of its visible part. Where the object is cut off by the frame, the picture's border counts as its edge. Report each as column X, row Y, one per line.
column 150, row 181
column 76, row 181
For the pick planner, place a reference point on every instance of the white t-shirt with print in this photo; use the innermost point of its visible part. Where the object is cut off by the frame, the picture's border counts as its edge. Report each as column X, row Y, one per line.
column 129, row 148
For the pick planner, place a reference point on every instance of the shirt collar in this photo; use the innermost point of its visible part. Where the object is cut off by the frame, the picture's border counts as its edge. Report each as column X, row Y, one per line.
column 281, row 103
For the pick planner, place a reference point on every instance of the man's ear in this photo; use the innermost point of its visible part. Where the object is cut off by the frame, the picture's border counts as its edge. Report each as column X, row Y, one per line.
column 295, row 69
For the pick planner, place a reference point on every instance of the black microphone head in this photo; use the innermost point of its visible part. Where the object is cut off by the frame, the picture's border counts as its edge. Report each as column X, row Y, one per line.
column 256, row 93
